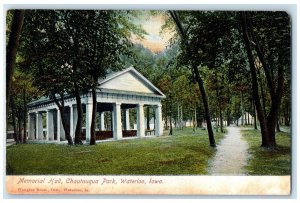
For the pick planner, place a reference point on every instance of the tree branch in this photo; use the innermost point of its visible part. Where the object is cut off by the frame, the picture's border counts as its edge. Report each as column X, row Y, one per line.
column 261, row 57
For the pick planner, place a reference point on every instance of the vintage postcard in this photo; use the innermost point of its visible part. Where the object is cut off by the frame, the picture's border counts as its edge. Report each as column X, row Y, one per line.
column 173, row 102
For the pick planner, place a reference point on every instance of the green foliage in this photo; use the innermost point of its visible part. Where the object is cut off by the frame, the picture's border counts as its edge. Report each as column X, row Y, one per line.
column 186, row 94
column 63, row 47
column 273, row 30
column 141, row 59
column 22, row 92
column 23, row 82
column 184, row 153
column 207, row 34
column 216, row 46
column 161, row 69
column 268, row 161
column 9, row 16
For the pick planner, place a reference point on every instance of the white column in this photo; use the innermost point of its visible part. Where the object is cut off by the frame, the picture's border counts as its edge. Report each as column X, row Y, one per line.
column 47, row 123
column 75, row 117
column 158, row 121
column 36, row 126
column 30, row 127
column 50, row 131
column 102, row 127
column 51, row 126
column 59, row 126
column 39, row 126
column 140, row 120
column 88, row 121
column 127, row 123
column 117, row 125
column 71, row 121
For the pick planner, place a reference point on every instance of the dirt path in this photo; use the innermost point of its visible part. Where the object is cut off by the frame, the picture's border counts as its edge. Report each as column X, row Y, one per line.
column 231, row 154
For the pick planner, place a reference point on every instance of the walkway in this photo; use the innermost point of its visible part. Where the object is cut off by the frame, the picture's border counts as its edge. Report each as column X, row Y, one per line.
column 231, row 154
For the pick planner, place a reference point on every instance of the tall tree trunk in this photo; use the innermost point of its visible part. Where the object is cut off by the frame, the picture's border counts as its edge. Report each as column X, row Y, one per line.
column 254, row 113
column 79, row 115
column 272, row 118
column 221, row 120
column 206, row 108
column 228, row 116
column 217, row 123
column 93, row 133
column 196, row 117
column 238, row 111
column 177, row 121
column 169, row 111
column 220, row 110
column 193, row 123
column 182, row 123
column 197, row 77
column 166, row 122
column 65, row 125
column 250, row 110
column 266, row 141
column 248, row 121
column 61, row 107
column 228, row 107
column 13, row 114
column 171, row 128
column 275, row 93
column 181, row 118
column 199, row 117
column 262, row 92
column 11, row 49
column 286, row 116
column 242, row 108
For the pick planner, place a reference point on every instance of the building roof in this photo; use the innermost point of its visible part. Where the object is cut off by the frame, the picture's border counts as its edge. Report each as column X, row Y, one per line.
column 127, row 81
column 140, row 80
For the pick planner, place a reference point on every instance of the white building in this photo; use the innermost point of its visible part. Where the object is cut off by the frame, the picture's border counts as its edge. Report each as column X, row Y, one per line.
column 246, row 118
column 117, row 93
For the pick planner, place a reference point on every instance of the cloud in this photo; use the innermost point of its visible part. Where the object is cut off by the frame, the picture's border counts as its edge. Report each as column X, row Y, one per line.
column 154, row 40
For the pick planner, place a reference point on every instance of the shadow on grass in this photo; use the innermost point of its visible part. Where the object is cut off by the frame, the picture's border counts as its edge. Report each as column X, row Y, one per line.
column 265, row 161
column 184, row 153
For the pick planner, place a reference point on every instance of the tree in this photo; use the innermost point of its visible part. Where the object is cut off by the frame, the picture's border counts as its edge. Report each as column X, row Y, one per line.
column 199, row 47
column 22, row 91
column 46, row 52
column 76, row 48
column 215, row 83
column 165, row 85
column 12, row 47
column 107, row 38
column 267, row 42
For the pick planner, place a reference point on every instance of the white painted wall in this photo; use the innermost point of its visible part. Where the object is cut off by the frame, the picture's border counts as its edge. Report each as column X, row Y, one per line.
column 127, row 82
column 242, row 118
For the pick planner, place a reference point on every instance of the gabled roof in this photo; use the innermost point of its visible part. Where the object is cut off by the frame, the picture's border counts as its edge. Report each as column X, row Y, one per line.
column 137, row 74
column 109, row 78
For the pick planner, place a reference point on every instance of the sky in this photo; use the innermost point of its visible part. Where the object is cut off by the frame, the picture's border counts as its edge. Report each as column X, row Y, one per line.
column 154, row 41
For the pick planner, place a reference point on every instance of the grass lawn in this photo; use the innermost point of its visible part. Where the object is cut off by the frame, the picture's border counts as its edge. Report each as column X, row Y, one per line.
column 185, row 152
column 268, row 162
